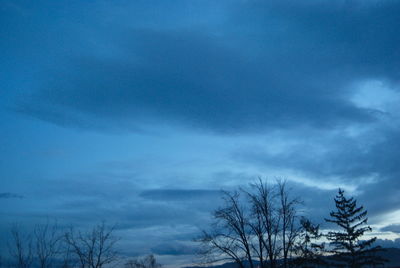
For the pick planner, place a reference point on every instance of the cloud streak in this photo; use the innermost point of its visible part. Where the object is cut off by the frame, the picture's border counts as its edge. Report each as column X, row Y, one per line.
column 10, row 196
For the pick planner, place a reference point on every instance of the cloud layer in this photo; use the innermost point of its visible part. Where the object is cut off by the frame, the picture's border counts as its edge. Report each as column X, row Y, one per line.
column 204, row 95
column 291, row 64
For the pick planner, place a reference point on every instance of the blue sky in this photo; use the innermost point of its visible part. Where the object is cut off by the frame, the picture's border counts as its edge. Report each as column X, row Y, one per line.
column 139, row 112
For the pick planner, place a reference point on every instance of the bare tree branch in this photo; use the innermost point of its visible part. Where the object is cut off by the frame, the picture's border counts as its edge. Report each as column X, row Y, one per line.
column 94, row 248
column 20, row 248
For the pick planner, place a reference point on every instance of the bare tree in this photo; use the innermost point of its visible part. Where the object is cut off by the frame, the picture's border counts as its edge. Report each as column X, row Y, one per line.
column 288, row 214
column 146, row 262
column 94, row 248
column 231, row 236
column 47, row 243
column 20, row 248
column 268, row 219
column 65, row 258
column 260, row 229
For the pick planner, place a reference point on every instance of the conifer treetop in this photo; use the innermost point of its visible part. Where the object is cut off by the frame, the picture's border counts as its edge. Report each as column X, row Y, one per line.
column 346, row 242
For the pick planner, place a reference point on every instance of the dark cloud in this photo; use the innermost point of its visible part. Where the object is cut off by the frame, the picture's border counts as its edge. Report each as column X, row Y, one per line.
column 367, row 161
column 336, row 155
column 179, row 195
column 10, row 195
column 395, row 228
column 290, row 65
column 175, row 248
column 83, row 199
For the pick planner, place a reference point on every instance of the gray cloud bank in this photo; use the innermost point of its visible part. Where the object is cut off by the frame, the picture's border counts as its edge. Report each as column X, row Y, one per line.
column 395, row 228
column 273, row 64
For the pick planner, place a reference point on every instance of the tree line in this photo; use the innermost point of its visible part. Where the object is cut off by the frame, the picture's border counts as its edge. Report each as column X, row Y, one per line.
column 259, row 227
column 264, row 227
column 49, row 246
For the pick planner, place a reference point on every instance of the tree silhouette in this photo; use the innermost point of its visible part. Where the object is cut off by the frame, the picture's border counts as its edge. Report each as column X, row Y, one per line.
column 21, row 248
column 47, row 243
column 94, row 248
column 230, row 238
column 347, row 247
column 255, row 228
column 309, row 250
column 145, row 262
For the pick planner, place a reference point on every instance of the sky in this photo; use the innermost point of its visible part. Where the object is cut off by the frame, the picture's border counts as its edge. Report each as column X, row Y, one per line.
column 140, row 112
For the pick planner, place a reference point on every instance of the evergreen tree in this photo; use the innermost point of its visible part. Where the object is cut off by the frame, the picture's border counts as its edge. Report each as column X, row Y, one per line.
column 309, row 250
column 347, row 247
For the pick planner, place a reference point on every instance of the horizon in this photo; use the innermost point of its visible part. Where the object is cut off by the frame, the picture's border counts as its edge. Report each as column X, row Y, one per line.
column 140, row 112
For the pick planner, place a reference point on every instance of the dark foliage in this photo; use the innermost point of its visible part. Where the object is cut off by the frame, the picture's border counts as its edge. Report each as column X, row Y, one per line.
column 347, row 247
